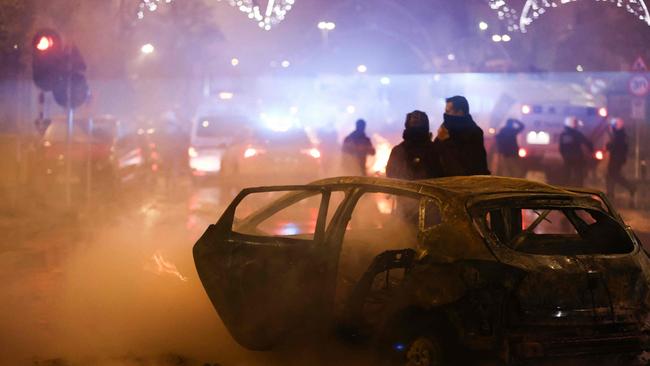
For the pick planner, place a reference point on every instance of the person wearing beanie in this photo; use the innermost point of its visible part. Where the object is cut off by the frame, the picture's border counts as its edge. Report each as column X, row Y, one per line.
column 415, row 157
column 460, row 141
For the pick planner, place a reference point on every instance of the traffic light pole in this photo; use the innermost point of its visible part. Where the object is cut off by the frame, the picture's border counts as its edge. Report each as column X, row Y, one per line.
column 68, row 158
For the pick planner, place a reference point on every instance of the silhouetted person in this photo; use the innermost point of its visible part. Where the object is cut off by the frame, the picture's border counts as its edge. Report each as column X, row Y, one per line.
column 460, row 141
column 356, row 148
column 572, row 144
column 508, row 149
column 617, row 148
column 415, row 157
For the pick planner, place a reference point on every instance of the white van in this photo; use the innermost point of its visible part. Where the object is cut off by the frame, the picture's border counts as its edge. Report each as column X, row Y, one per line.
column 211, row 135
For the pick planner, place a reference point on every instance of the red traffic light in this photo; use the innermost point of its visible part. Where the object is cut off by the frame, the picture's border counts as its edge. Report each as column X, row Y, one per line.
column 44, row 43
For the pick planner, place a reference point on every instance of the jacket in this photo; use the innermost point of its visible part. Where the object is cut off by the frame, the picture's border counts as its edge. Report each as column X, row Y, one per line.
column 414, row 158
column 571, row 144
column 463, row 153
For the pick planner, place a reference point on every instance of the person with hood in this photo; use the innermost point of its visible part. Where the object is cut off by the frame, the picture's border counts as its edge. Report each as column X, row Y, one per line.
column 572, row 145
column 356, row 148
column 460, row 141
column 617, row 148
column 415, row 157
column 508, row 149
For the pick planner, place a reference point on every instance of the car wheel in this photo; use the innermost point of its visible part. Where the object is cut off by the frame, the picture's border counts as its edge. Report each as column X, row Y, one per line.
column 424, row 351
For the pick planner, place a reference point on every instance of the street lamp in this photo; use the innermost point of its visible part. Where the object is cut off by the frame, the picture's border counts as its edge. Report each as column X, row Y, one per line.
column 362, row 69
column 234, row 61
column 483, row 26
column 147, row 49
column 325, row 28
column 285, row 63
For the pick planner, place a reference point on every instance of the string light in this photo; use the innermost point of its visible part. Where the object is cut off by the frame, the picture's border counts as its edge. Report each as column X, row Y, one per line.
column 150, row 6
column 533, row 9
column 265, row 17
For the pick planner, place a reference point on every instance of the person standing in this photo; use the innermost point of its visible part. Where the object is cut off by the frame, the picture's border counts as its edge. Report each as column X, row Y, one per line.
column 460, row 141
column 508, row 149
column 356, row 148
column 618, row 149
column 572, row 144
column 415, row 157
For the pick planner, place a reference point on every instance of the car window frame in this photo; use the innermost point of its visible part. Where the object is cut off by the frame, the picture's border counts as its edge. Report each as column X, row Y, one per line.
column 422, row 198
column 478, row 209
column 275, row 206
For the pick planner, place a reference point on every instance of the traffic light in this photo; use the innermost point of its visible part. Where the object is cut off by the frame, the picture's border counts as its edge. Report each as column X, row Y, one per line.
column 46, row 61
column 59, row 69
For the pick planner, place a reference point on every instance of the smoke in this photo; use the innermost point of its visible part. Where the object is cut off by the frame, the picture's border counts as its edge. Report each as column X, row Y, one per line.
column 113, row 292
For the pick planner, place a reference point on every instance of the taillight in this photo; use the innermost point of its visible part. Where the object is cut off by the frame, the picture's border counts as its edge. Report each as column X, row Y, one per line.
column 250, row 152
column 522, row 153
column 599, row 155
column 313, row 152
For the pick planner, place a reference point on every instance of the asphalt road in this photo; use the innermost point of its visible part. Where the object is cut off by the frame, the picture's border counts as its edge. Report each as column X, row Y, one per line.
column 117, row 286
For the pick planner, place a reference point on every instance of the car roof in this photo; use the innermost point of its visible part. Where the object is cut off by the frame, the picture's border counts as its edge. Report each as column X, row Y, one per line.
column 462, row 188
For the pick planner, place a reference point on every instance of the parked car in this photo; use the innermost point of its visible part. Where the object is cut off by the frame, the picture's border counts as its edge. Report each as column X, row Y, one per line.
column 430, row 271
column 210, row 137
column 91, row 153
column 136, row 158
column 272, row 156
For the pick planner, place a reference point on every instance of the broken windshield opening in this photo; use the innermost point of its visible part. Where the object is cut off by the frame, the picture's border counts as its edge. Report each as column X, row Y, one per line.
column 554, row 230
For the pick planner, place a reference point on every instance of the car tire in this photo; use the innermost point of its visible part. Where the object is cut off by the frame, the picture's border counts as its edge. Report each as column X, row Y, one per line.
column 424, row 351
column 415, row 337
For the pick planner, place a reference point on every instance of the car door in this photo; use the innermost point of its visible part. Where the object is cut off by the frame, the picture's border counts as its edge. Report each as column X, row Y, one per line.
column 380, row 231
column 265, row 265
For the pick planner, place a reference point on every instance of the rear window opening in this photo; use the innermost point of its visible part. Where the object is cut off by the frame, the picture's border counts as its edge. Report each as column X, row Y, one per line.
column 556, row 230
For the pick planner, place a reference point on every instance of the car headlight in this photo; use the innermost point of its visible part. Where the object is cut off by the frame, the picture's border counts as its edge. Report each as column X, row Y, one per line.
column 538, row 138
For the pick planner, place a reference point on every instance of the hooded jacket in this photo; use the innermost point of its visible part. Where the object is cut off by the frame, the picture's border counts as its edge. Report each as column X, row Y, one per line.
column 618, row 148
column 463, row 153
column 571, row 144
column 415, row 157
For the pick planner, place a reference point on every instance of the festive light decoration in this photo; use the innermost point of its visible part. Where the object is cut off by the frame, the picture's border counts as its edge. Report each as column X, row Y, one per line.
column 266, row 16
column 505, row 13
column 533, row 9
column 150, row 6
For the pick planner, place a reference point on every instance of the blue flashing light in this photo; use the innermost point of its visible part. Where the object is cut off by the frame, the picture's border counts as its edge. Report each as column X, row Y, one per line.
column 290, row 229
column 399, row 347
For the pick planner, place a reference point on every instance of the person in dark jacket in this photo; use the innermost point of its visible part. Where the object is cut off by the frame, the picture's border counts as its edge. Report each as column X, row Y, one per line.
column 356, row 148
column 508, row 149
column 572, row 143
column 416, row 156
column 617, row 148
column 460, row 141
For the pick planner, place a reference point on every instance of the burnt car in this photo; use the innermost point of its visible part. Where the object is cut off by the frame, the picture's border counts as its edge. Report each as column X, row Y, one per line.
column 430, row 271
